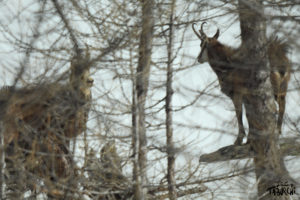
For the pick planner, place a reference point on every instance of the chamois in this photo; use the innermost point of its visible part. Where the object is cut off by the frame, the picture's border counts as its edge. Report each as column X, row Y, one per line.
column 233, row 76
column 39, row 120
column 105, row 174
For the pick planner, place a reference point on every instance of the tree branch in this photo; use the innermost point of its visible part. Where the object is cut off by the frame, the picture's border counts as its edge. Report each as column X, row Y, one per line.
column 288, row 147
column 68, row 27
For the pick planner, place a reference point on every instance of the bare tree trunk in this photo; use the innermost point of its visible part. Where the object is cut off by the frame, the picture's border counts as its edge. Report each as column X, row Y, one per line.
column 134, row 130
column 2, row 161
column 142, row 82
column 169, row 129
column 259, row 103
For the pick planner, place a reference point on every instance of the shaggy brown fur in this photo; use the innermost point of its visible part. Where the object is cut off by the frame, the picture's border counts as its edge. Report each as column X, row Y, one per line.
column 40, row 120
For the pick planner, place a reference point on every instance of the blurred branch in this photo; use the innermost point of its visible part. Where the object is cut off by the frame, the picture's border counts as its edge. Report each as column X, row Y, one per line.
column 295, row 18
column 195, row 190
column 288, row 147
column 35, row 37
column 67, row 25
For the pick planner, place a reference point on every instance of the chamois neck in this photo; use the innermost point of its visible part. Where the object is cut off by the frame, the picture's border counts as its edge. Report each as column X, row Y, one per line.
column 219, row 53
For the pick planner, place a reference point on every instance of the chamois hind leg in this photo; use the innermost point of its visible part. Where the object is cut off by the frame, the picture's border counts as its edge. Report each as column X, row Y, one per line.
column 238, row 106
column 275, row 81
column 281, row 103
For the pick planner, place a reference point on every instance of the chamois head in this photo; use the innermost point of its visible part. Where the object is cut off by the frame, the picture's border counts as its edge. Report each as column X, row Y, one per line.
column 80, row 78
column 205, row 41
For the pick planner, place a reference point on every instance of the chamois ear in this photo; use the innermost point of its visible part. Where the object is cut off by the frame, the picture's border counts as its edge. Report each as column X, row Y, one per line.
column 217, row 34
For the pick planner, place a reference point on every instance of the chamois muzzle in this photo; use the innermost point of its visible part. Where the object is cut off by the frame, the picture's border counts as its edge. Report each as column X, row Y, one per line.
column 90, row 81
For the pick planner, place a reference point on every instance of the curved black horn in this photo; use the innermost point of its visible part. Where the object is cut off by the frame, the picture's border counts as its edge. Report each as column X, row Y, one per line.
column 199, row 36
column 201, row 30
column 217, row 34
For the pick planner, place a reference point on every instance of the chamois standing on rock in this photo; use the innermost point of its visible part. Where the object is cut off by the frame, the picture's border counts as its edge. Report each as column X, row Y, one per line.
column 234, row 76
column 38, row 122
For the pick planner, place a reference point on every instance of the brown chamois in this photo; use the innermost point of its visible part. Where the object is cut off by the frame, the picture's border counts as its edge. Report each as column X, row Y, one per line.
column 233, row 76
column 39, row 120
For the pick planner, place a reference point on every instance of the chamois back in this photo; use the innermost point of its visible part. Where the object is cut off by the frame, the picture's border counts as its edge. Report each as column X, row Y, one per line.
column 277, row 53
column 51, row 108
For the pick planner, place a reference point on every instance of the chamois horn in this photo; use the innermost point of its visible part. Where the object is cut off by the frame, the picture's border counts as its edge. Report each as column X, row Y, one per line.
column 201, row 30
column 199, row 36
column 217, row 34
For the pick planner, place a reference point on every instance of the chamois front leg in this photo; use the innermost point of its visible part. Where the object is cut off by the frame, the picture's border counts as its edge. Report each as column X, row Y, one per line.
column 238, row 106
column 280, row 85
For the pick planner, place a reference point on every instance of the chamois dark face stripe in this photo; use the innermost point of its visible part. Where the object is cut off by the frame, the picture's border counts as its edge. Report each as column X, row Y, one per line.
column 202, row 50
column 203, row 47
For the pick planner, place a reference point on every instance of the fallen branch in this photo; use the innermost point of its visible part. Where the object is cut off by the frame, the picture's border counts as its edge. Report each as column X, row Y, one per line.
column 181, row 193
column 288, row 147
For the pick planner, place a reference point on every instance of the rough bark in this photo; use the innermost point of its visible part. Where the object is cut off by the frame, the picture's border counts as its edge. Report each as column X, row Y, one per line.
column 2, row 158
column 168, row 108
column 142, row 82
column 134, row 131
column 259, row 103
